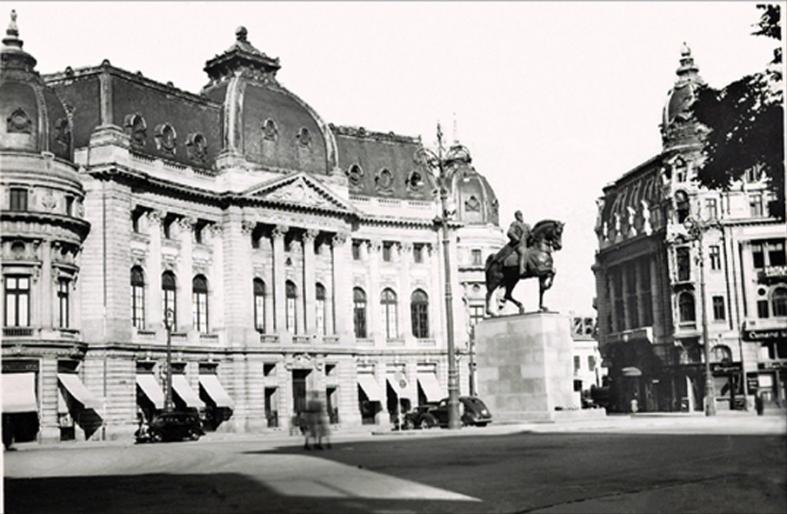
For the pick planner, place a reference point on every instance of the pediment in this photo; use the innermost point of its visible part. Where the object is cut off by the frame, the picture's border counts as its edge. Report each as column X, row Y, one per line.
column 302, row 191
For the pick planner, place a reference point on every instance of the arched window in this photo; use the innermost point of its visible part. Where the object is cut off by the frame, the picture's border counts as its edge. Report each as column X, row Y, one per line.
column 259, row 305
column 686, row 308
column 682, row 206
column 292, row 302
column 359, row 312
column 680, row 171
column 199, row 290
column 389, row 315
column 779, row 301
column 319, row 317
column 135, row 126
column 169, row 299
column 355, row 175
column 269, row 130
column 721, row 353
column 166, row 138
column 138, row 297
column 419, row 314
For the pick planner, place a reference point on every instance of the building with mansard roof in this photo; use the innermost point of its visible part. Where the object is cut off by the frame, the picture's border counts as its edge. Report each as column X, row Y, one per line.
column 648, row 276
column 279, row 253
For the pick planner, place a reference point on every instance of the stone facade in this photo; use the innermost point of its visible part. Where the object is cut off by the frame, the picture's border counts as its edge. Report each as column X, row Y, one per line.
column 648, row 276
column 294, row 255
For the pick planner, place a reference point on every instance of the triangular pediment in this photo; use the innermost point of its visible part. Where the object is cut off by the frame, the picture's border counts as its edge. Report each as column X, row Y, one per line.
column 302, row 191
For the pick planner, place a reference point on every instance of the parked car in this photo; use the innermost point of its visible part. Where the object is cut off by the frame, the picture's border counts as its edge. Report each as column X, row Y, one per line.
column 172, row 426
column 472, row 411
column 420, row 417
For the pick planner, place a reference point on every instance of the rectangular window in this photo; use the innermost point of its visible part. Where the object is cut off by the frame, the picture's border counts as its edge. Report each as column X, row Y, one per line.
column 762, row 309
column 62, row 300
column 476, row 254
column 719, row 313
column 291, row 315
column 591, row 363
column 387, row 252
column 18, row 200
column 711, row 208
column 775, row 250
column 577, row 363
column 200, row 312
column 319, row 317
column 715, row 258
column 17, row 301
column 617, row 285
column 757, row 255
column 259, row 312
column 476, row 314
column 138, row 306
column 684, row 263
column 755, row 204
column 356, row 246
column 70, row 205
column 645, row 293
column 631, row 296
column 418, row 253
column 753, row 174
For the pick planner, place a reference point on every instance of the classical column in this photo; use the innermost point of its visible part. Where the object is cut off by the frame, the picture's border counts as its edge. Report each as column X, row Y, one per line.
column 612, row 278
column 405, row 257
column 625, row 290
column 342, row 285
column 279, row 278
column 234, row 248
column 153, row 266
column 309, row 282
column 46, row 294
column 656, row 302
column 185, row 274
column 216, row 312
column 376, row 323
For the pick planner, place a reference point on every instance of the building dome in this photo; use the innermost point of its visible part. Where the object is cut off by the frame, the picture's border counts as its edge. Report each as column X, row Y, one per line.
column 31, row 114
column 677, row 126
column 265, row 122
column 475, row 200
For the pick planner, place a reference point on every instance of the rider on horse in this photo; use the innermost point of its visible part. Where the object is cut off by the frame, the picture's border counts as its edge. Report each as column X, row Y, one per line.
column 518, row 235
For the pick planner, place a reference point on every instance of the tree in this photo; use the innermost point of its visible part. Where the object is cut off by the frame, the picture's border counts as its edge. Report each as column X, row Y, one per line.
column 745, row 122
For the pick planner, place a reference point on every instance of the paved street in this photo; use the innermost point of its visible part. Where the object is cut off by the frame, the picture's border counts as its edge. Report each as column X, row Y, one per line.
column 690, row 464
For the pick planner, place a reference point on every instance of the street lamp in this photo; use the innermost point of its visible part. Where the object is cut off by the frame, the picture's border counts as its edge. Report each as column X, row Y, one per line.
column 696, row 228
column 436, row 164
column 169, row 320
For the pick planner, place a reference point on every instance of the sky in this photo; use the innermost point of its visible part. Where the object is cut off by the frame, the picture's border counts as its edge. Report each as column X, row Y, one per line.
column 554, row 100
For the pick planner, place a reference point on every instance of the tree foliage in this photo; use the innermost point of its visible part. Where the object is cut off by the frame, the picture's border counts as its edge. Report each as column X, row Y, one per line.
column 746, row 123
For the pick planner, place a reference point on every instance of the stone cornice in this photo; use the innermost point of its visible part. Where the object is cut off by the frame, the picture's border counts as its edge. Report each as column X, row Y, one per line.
column 79, row 226
column 362, row 133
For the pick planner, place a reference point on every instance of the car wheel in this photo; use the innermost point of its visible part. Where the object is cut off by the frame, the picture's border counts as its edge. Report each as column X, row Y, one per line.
column 427, row 422
column 194, row 434
column 482, row 424
column 408, row 424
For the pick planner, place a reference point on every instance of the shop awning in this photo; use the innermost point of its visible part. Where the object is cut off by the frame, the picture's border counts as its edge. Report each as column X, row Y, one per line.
column 19, row 392
column 181, row 386
column 370, row 386
column 431, row 387
column 215, row 390
column 78, row 390
column 631, row 371
column 396, row 384
column 151, row 389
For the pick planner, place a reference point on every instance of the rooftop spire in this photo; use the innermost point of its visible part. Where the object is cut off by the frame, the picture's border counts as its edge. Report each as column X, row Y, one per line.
column 13, row 55
column 687, row 67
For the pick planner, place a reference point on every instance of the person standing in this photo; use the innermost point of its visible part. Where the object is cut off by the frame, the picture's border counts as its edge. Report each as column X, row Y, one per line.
column 518, row 235
column 759, row 404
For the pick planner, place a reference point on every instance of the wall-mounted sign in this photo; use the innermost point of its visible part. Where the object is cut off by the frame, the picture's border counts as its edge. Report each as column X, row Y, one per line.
column 725, row 367
column 773, row 273
column 765, row 334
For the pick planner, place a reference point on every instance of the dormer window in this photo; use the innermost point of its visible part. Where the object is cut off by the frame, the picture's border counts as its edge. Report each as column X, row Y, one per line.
column 415, row 181
column 165, row 138
column 681, row 206
column 136, row 127
column 472, row 204
column 355, row 175
column 197, row 147
column 19, row 122
column 384, row 180
column 304, row 137
column 269, row 130
column 681, row 171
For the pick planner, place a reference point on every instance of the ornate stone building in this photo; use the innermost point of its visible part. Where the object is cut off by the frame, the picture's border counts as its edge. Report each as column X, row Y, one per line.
column 294, row 255
column 648, row 276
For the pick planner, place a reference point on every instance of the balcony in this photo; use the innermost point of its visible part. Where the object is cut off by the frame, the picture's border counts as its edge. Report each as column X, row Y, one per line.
column 364, row 341
column 330, row 339
column 301, row 339
column 209, row 338
column 18, row 331
column 269, row 338
column 426, row 343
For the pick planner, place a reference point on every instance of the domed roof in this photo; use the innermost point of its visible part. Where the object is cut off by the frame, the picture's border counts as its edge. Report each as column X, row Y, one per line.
column 475, row 200
column 34, row 117
column 265, row 122
column 682, row 94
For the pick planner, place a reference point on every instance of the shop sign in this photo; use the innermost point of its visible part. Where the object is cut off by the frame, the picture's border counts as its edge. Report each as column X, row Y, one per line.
column 782, row 364
column 725, row 367
column 752, row 382
column 19, row 366
column 769, row 334
column 773, row 273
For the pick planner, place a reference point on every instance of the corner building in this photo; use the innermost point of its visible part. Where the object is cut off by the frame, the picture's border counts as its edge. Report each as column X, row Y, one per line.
column 294, row 255
column 648, row 276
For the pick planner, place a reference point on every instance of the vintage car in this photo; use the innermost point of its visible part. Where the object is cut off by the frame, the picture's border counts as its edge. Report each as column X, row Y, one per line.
column 171, row 426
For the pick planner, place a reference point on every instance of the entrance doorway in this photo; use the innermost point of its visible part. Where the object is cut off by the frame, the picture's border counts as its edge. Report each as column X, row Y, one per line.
column 271, row 410
column 299, row 377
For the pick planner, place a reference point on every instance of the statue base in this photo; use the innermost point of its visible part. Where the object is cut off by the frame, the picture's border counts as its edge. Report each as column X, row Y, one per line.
column 525, row 366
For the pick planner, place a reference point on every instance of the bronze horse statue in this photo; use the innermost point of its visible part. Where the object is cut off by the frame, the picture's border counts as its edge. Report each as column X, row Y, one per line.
column 502, row 269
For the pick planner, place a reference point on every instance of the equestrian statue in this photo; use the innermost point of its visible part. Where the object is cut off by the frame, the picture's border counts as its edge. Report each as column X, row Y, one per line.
column 528, row 254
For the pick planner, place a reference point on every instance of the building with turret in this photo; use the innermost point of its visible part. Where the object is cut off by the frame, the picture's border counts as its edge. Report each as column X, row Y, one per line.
column 277, row 252
column 648, row 276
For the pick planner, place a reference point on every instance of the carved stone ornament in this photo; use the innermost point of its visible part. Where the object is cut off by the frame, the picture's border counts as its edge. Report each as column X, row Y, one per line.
column 154, row 217
column 279, row 231
column 136, row 127
column 63, row 132
column 310, row 235
column 384, row 181
column 18, row 122
column 375, row 246
column 415, row 181
column 355, row 175
column 166, row 138
column 301, row 193
column 187, row 223
column 304, row 137
column 247, row 227
column 339, row 239
column 472, row 204
column 48, row 201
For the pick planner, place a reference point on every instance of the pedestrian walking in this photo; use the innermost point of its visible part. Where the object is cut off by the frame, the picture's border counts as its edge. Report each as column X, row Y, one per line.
column 759, row 405
column 316, row 423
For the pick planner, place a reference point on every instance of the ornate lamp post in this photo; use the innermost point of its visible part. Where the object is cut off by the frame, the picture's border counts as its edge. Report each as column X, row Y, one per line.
column 436, row 163
column 169, row 318
column 696, row 228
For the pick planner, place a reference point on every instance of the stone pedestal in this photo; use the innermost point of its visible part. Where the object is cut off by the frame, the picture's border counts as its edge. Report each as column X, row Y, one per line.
column 525, row 366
